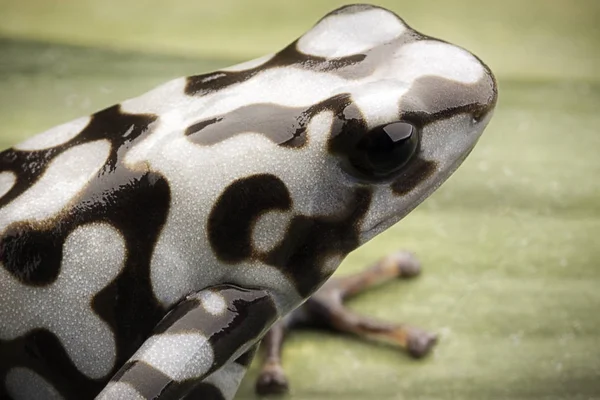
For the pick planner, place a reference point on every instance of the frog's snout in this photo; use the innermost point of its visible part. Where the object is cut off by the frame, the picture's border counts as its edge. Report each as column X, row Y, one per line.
column 485, row 110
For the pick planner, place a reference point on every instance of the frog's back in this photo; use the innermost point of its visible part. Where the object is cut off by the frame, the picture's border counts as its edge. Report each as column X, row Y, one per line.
column 78, row 228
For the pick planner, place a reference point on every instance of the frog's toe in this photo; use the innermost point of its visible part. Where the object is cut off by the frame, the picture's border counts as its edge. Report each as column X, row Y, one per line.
column 272, row 380
column 419, row 342
column 406, row 263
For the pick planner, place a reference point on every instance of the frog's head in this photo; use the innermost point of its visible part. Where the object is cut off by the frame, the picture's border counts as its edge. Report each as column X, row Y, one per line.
column 319, row 147
column 383, row 113
column 411, row 110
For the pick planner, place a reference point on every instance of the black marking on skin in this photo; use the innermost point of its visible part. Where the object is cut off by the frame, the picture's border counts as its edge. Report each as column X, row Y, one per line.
column 458, row 98
column 431, row 99
column 144, row 378
column 285, row 126
column 200, row 85
column 136, row 203
column 348, row 129
column 139, row 210
column 121, row 129
column 41, row 351
column 417, row 171
column 308, row 242
column 237, row 209
column 279, row 123
column 177, row 313
column 249, row 315
column 32, row 256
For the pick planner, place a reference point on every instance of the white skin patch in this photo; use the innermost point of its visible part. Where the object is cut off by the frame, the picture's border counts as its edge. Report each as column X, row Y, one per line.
column 55, row 136
column 64, row 178
column 119, row 391
column 379, row 100
column 347, row 34
column 24, row 384
column 273, row 86
column 432, row 58
column 213, row 302
column 7, row 180
column 168, row 96
column 269, row 230
column 180, row 356
column 92, row 256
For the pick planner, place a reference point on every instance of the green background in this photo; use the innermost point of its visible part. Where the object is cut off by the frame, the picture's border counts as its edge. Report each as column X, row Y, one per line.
column 509, row 245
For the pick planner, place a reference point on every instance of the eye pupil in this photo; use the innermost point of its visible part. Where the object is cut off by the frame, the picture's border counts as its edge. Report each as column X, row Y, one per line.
column 385, row 149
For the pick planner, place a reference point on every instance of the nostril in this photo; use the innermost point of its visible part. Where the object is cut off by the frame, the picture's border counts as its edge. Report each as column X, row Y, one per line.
column 479, row 114
column 481, row 111
column 487, row 102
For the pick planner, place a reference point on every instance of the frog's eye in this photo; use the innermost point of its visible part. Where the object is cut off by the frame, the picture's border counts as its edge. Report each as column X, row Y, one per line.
column 385, row 149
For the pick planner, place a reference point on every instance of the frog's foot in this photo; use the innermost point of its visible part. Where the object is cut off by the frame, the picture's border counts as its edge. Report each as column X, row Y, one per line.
column 325, row 309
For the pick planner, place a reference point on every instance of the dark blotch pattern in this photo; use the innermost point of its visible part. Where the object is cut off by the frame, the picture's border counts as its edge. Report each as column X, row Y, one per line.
column 201, row 85
column 278, row 123
column 33, row 253
column 432, row 99
column 134, row 202
column 146, row 379
column 32, row 256
column 307, row 242
column 285, row 126
column 236, row 210
column 413, row 174
column 120, row 128
column 41, row 351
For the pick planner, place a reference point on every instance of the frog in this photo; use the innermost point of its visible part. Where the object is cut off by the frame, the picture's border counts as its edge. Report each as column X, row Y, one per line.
column 146, row 250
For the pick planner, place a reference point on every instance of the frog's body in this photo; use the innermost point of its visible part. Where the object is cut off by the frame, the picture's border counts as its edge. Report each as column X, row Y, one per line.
column 226, row 199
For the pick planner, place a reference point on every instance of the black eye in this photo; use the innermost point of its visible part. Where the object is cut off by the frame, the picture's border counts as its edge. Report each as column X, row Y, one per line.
column 385, row 149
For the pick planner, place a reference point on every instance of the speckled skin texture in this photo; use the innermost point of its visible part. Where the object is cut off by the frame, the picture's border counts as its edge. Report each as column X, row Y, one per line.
column 132, row 238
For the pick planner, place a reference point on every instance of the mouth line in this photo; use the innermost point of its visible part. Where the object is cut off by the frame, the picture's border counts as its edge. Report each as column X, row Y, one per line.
column 370, row 232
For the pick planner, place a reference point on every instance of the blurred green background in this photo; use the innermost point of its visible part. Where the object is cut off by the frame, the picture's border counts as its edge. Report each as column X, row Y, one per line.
column 509, row 245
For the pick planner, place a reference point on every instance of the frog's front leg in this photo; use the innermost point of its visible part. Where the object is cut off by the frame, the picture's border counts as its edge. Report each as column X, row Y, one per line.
column 202, row 338
column 325, row 309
